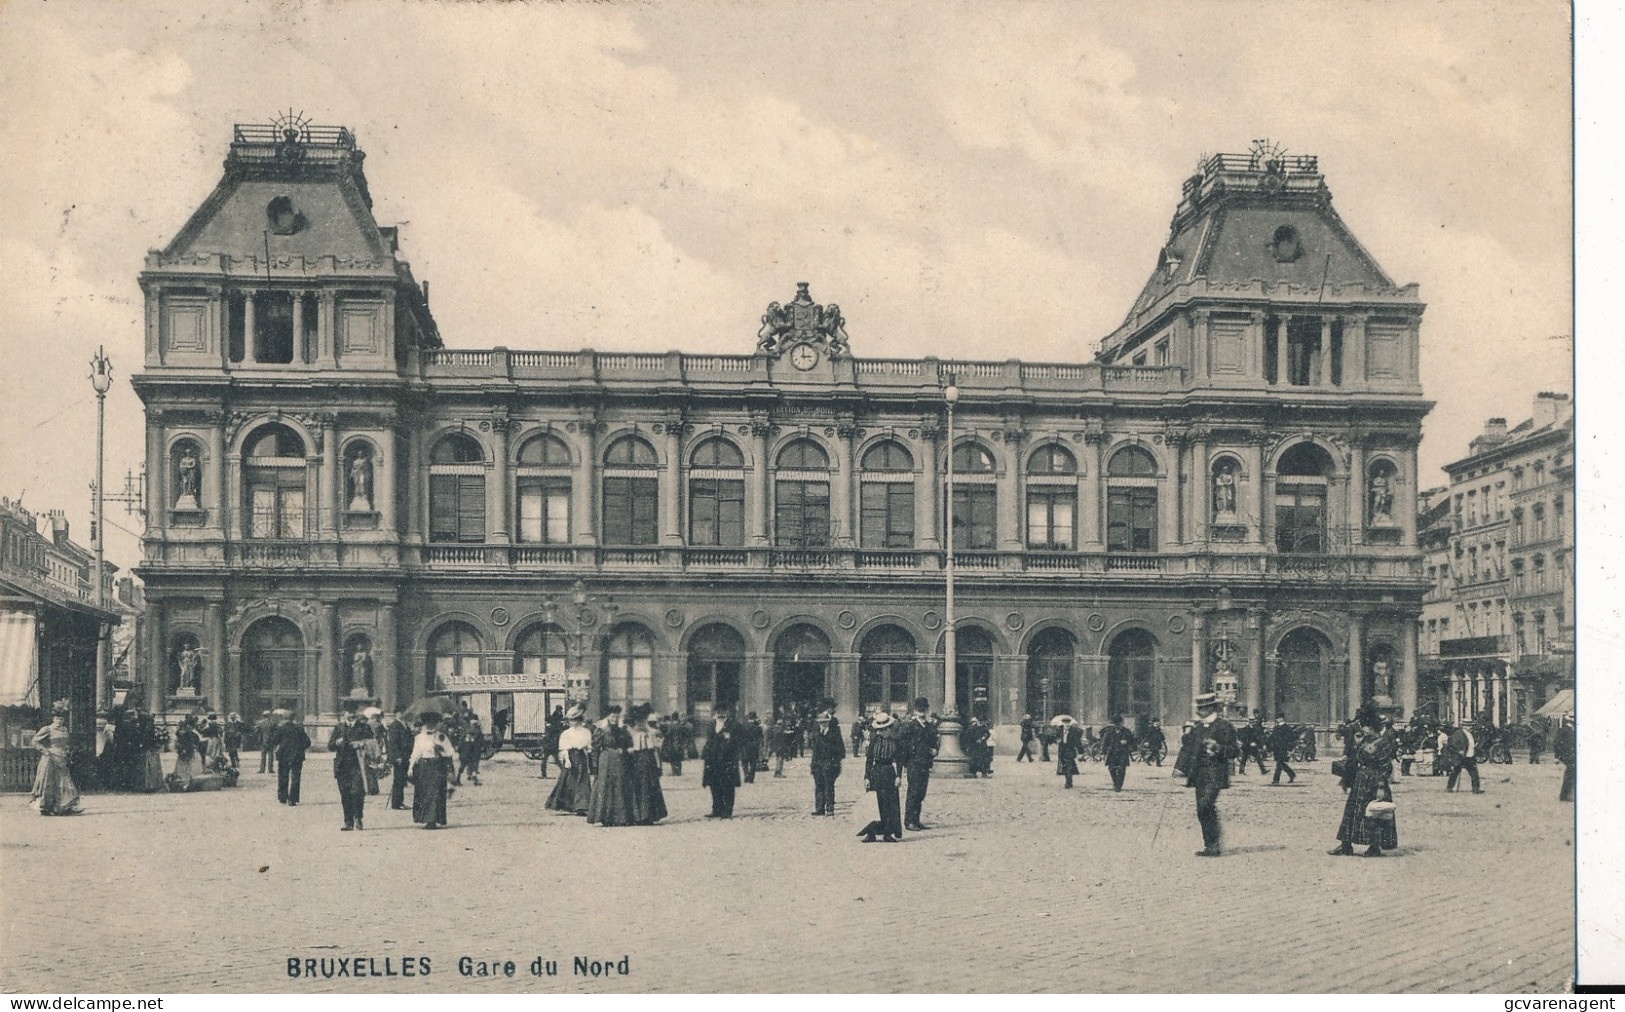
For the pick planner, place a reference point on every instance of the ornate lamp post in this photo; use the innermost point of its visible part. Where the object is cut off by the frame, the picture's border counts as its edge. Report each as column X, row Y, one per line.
column 584, row 618
column 951, row 759
column 101, row 378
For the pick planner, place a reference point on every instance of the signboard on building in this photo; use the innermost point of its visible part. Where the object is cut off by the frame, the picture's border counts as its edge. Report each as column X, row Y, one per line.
column 514, row 681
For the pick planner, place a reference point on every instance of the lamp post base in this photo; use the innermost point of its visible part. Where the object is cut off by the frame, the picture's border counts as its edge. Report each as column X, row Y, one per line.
column 951, row 760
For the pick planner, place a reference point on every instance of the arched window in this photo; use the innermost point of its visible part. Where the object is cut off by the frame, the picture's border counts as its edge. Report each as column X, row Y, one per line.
column 801, row 496
column 1131, row 501
column 885, row 669
column 1049, row 673
column 1538, row 569
column 274, row 471
column 716, row 494
column 629, row 667
column 273, row 667
column 454, row 655
column 542, row 488
column 541, row 650
column 1052, row 499
column 973, row 672
column 1131, row 674
column 631, row 493
column 1538, row 512
column 457, row 490
column 976, row 498
column 800, row 666
column 1304, row 679
column 887, row 481
column 716, row 656
column 1300, row 499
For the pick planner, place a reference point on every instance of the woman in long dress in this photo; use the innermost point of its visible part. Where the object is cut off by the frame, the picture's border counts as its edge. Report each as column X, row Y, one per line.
column 611, row 803
column 573, row 791
column 648, row 801
column 1371, row 756
column 188, row 754
column 432, row 757
column 881, row 772
column 54, row 790
column 152, row 739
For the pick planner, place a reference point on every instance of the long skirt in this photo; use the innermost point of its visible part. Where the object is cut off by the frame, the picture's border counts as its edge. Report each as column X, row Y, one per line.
column 611, row 803
column 429, row 778
column 186, row 770
column 54, row 790
column 573, row 791
column 1369, row 786
column 1066, row 765
column 648, row 801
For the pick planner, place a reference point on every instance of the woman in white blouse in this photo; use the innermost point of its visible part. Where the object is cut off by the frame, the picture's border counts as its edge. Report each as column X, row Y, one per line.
column 433, row 756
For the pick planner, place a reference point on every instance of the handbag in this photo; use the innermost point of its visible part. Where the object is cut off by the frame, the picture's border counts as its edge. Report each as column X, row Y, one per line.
column 1383, row 810
column 1340, row 767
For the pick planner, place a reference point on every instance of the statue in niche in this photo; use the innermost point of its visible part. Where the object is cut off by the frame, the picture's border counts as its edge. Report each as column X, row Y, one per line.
column 361, row 483
column 361, row 671
column 189, row 663
column 1224, row 491
column 188, row 480
column 1382, row 676
column 1382, row 499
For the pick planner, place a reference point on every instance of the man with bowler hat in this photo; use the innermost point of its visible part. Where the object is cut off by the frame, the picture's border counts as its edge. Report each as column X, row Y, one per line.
column 1280, row 740
column 828, row 751
column 1117, row 746
column 398, row 747
column 291, row 744
column 349, row 743
column 720, row 762
column 1205, row 761
column 919, row 746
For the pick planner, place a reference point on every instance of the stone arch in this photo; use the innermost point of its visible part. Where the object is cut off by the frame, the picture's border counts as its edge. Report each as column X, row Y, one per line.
column 1158, row 457
column 482, row 629
column 517, row 444
column 608, row 439
column 1055, row 442
column 889, row 436
column 1079, row 637
column 444, row 432
column 973, row 439
column 831, row 449
column 699, row 439
column 1272, row 461
column 719, row 618
column 1001, row 643
column 251, row 427
column 921, row 635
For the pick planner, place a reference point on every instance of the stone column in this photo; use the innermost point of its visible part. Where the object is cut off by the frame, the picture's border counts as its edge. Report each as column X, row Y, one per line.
column 928, row 492
column 1256, row 500
column 1263, row 672
column 1253, row 687
column 843, row 676
column 1256, row 325
column 1407, row 667
column 1283, row 330
column 329, row 478
column 1198, row 625
column 1201, row 511
column 159, row 494
column 1355, row 506
column 383, row 469
column 1091, row 501
column 386, row 668
column 1356, row 662
column 1199, row 344
column 327, row 345
column 499, row 504
column 1168, row 499
column 756, row 688
column 1495, row 699
column 153, row 670
column 249, row 343
column 1266, row 503
column 1008, row 512
column 1326, row 351
column 326, row 663
column 301, row 354
column 843, row 484
column 231, row 511
column 671, row 481
column 1354, row 350
column 214, row 685
column 584, row 483
column 756, row 515
column 1407, row 494
column 213, row 487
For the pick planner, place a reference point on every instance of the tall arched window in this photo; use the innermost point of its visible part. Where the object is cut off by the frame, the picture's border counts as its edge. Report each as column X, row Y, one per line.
column 631, row 493
column 628, row 669
column 716, row 494
column 1049, row 673
column 457, row 490
column 973, row 672
column 886, row 668
column 1052, row 499
column 541, row 650
column 543, row 489
column 1131, row 501
column 1131, row 674
column 801, row 496
column 975, row 506
column 716, row 656
column 1301, row 483
column 887, row 519
column 1304, row 677
column 454, row 655
column 274, row 470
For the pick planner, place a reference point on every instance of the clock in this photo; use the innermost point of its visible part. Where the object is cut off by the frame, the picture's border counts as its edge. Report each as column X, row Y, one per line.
column 804, row 357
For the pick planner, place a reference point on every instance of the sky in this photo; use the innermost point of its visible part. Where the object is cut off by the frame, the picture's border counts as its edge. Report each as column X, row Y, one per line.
column 976, row 180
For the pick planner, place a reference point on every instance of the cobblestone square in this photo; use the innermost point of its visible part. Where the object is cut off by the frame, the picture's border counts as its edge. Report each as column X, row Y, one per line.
column 1018, row 885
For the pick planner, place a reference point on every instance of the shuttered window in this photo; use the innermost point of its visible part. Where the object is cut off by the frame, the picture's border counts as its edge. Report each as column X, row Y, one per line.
column 888, row 514
column 801, row 514
column 974, row 516
column 1131, row 520
column 457, row 507
column 630, row 506
column 716, row 512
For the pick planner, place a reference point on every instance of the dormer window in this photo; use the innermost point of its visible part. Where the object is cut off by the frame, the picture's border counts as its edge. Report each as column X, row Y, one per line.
column 1285, row 245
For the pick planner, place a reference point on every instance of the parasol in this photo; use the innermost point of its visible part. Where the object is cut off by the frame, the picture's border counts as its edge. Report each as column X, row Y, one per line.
column 443, row 705
column 1062, row 719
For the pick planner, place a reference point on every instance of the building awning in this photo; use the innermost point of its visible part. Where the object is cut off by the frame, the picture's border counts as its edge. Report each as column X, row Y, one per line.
column 19, row 661
column 1559, row 705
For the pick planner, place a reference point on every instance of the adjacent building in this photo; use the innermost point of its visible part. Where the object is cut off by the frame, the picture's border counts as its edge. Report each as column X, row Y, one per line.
column 1502, row 628
column 1218, row 496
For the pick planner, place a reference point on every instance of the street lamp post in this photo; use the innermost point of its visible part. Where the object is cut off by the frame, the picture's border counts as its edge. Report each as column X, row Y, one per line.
column 951, row 759
column 101, row 378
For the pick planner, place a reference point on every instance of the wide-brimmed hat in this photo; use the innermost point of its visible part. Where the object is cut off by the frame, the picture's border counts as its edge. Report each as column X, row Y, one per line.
column 575, row 712
column 372, row 711
column 1206, row 700
column 881, row 719
column 1062, row 719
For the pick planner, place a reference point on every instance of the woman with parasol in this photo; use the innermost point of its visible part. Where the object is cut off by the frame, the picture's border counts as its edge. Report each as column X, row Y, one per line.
column 431, row 764
column 573, row 792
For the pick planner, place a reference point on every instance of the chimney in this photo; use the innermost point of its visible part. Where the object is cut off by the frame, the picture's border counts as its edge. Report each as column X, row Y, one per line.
column 126, row 590
column 1495, row 433
column 59, row 527
column 1550, row 408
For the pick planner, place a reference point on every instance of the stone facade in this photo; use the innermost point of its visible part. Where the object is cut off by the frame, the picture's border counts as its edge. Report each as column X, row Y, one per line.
column 343, row 508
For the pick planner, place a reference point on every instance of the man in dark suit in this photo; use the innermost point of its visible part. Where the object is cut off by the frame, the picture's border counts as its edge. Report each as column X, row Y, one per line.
column 1117, row 746
column 1205, row 760
column 398, row 746
column 721, row 763
column 750, row 746
column 291, row 742
column 919, row 740
column 1563, row 749
column 1280, row 740
column 348, row 743
column 1461, row 753
column 828, row 751
column 1026, row 739
column 264, row 733
column 1250, row 739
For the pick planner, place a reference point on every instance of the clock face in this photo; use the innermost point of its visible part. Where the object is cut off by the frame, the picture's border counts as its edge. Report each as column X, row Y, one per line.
column 804, row 356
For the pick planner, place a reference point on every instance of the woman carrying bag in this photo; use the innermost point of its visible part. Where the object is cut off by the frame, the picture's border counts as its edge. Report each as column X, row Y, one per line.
column 1368, row 811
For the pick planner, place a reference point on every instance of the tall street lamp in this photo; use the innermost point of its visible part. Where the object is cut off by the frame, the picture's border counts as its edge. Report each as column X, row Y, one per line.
column 101, row 378
column 951, row 759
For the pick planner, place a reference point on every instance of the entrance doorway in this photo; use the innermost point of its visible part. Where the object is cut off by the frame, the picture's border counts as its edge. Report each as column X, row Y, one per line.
column 1302, row 689
column 1131, row 675
column 800, row 667
column 973, row 675
column 273, row 667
